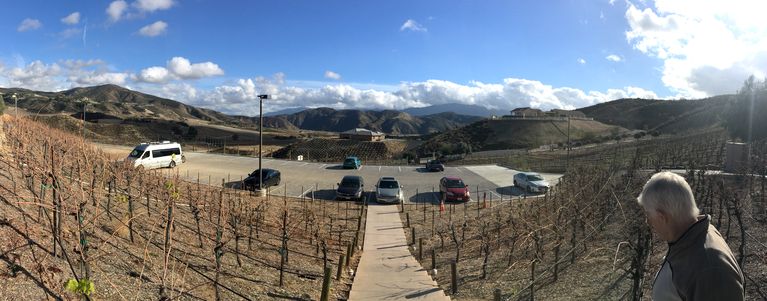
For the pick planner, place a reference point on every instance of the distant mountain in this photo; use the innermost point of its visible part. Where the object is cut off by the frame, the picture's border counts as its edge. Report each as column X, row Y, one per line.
column 387, row 121
column 464, row 109
column 287, row 111
column 113, row 101
column 667, row 116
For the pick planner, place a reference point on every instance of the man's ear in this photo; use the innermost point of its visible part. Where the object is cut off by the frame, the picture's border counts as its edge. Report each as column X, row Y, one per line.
column 663, row 216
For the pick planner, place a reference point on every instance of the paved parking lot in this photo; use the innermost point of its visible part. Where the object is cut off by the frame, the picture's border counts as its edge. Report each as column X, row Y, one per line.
column 303, row 178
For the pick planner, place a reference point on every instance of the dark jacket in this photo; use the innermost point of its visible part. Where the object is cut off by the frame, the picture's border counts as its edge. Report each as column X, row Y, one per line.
column 702, row 267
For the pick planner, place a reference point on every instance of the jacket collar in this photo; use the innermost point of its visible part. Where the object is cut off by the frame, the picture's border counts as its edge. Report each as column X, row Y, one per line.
column 690, row 236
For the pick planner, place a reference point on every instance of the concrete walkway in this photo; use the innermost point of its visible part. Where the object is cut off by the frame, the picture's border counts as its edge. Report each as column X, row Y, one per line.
column 387, row 270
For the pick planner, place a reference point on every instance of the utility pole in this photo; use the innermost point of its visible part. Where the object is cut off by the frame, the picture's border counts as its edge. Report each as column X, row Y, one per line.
column 261, row 137
column 567, row 161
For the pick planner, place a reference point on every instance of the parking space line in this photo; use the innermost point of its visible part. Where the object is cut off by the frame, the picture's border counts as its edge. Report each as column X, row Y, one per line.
column 323, row 166
column 304, row 164
column 304, row 193
column 458, row 169
column 379, row 169
column 399, row 168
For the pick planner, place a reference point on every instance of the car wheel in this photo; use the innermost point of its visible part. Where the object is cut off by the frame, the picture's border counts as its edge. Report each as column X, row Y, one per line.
column 528, row 189
column 172, row 164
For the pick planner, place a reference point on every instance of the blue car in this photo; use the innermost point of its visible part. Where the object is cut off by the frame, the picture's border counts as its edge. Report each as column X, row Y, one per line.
column 352, row 162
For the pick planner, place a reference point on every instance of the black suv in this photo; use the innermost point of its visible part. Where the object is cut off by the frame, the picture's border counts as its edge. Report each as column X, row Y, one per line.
column 435, row 165
column 351, row 188
column 271, row 177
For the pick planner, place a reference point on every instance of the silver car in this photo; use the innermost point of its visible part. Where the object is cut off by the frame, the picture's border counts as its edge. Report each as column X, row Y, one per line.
column 531, row 182
column 388, row 190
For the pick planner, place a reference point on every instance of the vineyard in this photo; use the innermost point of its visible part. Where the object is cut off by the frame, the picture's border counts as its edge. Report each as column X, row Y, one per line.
column 701, row 150
column 76, row 224
column 335, row 150
column 585, row 240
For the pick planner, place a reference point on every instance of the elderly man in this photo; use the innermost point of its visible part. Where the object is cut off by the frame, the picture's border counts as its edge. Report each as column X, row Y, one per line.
column 698, row 265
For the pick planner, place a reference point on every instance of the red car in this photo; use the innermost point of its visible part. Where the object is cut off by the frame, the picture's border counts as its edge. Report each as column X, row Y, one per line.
column 453, row 189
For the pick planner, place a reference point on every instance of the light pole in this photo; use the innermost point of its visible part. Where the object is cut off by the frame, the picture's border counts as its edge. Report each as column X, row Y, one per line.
column 261, row 137
column 15, row 106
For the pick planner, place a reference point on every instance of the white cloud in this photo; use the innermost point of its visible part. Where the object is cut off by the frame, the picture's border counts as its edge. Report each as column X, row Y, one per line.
column 707, row 48
column 612, row 2
column 614, row 58
column 178, row 68
column 238, row 96
column 154, row 75
column 116, row 10
column 71, row 19
column 154, row 29
column 332, row 75
column 29, row 24
column 412, row 25
column 581, row 61
column 153, row 5
column 182, row 68
column 70, row 32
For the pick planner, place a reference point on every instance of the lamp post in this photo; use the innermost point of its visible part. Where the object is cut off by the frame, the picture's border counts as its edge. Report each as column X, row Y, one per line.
column 15, row 106
column 261, row 137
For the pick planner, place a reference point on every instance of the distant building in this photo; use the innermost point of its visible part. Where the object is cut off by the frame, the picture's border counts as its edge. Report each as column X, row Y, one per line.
column 362, row 135
column 526, row 112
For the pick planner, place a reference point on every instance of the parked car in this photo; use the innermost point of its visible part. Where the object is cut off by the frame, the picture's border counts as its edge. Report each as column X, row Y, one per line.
column 453, row 189
column 531, row 182
column 352, row 162
column 157, row 155
column 435, row 165
column 271, row 177
column 351, row 188
column 389, row 190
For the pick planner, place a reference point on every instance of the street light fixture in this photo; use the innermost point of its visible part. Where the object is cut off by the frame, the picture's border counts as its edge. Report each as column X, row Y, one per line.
column 261, row 137
column 15, row 106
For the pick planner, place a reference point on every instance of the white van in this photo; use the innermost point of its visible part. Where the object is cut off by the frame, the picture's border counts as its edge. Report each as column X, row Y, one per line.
column 157, row 155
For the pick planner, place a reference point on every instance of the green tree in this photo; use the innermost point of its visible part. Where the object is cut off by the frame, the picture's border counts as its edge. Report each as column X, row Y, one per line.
column 745, row 117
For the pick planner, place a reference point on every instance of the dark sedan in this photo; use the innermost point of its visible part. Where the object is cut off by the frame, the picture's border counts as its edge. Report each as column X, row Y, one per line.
column 271, row 177
column 351, row 188
column 435, row 165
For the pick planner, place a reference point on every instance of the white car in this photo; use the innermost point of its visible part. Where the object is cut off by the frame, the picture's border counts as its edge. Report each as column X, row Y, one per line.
column 157, row 155
column 389, row 190
column 531, row 182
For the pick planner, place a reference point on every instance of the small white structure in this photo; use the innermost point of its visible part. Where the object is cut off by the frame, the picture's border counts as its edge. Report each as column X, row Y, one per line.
column 300, row 158
column 362, row 135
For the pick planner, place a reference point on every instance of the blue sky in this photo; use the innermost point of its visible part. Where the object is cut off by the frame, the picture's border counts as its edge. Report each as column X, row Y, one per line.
column 385, row 54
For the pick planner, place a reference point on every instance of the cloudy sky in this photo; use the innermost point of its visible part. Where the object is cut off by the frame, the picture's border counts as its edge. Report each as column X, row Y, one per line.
column 386, row 54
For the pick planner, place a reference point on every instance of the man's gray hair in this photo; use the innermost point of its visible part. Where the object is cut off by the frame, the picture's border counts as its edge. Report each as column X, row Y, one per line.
column 669, row 193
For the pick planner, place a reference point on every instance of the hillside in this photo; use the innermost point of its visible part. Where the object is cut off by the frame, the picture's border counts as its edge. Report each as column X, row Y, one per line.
column 471, row 110
column 388, row 121
column 666, row 116
column 113, row 101
column 509, row 134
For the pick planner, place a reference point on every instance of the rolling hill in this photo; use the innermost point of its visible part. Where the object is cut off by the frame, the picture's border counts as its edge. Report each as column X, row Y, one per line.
column 388, row 121
column 665, row 116
column 464, row 109
column 500, row 134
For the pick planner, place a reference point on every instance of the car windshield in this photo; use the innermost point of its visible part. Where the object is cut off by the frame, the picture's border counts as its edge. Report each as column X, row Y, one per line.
column 349, row 161
column 351, row 183
column 534, row 178
column 455, row 184
column 136, row 153
column 255, row 173
column 388, row 184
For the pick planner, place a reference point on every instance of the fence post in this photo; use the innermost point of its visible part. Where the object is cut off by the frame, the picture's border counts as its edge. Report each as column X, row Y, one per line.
column 412, row 233
column 407, row 218
column 453, row 278
column 497, row 294
column 433, row 259
column 420, row 248
column 340, row 266
column 326, row 284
